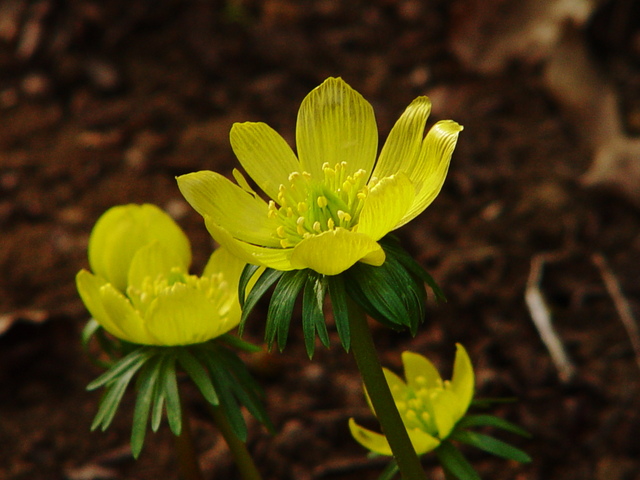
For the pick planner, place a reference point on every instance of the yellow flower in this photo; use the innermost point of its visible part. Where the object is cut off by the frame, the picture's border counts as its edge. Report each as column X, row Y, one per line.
column 331, row 204
column 430, row 407
column 145, row 295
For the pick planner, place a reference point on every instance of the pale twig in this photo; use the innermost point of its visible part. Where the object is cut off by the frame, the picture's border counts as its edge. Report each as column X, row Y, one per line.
column 620, row 303
column 542, row 320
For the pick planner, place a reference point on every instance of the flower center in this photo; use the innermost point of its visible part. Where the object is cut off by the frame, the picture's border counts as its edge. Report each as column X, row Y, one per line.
column 310, row 206
column 416, row 409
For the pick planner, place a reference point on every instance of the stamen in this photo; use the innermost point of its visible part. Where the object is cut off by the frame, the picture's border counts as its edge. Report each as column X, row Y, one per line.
column 316, row 226
column 322, row 201
column 344, row 216
column 331, row 224
column 273, row 210
column 300, row 226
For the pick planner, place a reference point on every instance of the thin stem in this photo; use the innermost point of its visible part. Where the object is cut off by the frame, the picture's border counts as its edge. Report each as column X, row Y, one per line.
column 186, row 453
column 243, row 459
column 385, row 408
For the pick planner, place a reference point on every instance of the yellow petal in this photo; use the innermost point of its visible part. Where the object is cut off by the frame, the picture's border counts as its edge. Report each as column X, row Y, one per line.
column 230, row 266
column 335, row 124
column 334, row 251
column 240, row 213
column 397, row 386
column 432, row 166
column 422, row 442
column 419, row 371
column 370, row 440
column 122, row 314
column 463, row 379
column 153, row 260
column 122, row 230
column 89, row 286
column 446, row 410
column 277, row 258
column 264, row 154
column 385, row 205
column 222, row 261
column 401, row 150
column 183, row 315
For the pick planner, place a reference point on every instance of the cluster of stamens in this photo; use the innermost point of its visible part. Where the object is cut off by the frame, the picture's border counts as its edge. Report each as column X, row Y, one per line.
column 416, row 410
column 310, row 206
column 215, row 288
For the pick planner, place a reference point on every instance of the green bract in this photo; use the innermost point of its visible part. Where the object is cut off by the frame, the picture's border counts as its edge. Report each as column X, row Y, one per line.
column 158, row 302
column 330, row 205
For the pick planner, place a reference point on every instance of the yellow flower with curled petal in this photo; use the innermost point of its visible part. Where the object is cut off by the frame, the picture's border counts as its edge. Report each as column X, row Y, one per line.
column 145, row 295
column 430, row 407
column 331, row 204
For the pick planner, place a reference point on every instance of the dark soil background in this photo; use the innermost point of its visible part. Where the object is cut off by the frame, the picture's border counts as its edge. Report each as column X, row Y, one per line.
column 104, row 103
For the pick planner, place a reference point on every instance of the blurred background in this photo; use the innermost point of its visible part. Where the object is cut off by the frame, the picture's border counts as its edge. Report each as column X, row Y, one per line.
column 104, row 103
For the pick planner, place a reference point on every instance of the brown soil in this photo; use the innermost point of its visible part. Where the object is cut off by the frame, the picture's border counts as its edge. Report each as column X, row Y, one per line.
column 109, row 103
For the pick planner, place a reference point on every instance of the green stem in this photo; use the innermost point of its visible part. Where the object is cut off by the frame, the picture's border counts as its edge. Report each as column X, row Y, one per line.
column 243, row 459
column 186, row 453
column 385, row 408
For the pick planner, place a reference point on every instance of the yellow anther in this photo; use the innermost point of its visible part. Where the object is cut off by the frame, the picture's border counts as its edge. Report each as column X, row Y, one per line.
column 293, row 176
column 316, row 226
column 346, row 186
column 411, row 415
column 280, row 231
column 322, row 201
column 289, row 212
column 302, row 207
column 331, row 224
column 273, row 210
column 300, row 225
column 344, row 216
column 284, row 243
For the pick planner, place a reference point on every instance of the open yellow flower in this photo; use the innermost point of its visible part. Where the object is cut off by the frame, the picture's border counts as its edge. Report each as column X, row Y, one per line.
column 331, row 204
column 430, row 407
column 158, row 302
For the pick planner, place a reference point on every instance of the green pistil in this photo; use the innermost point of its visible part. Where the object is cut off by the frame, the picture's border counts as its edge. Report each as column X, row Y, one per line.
column 310, row 207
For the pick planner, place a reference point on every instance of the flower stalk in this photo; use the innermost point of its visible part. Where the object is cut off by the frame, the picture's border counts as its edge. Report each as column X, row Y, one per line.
column 243, row 460
column 374, row 380
column 186, row 453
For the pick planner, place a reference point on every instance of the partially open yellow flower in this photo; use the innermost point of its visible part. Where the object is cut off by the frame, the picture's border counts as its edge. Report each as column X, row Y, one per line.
column 429, row 406
column 331, row 204
column 146, row 295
